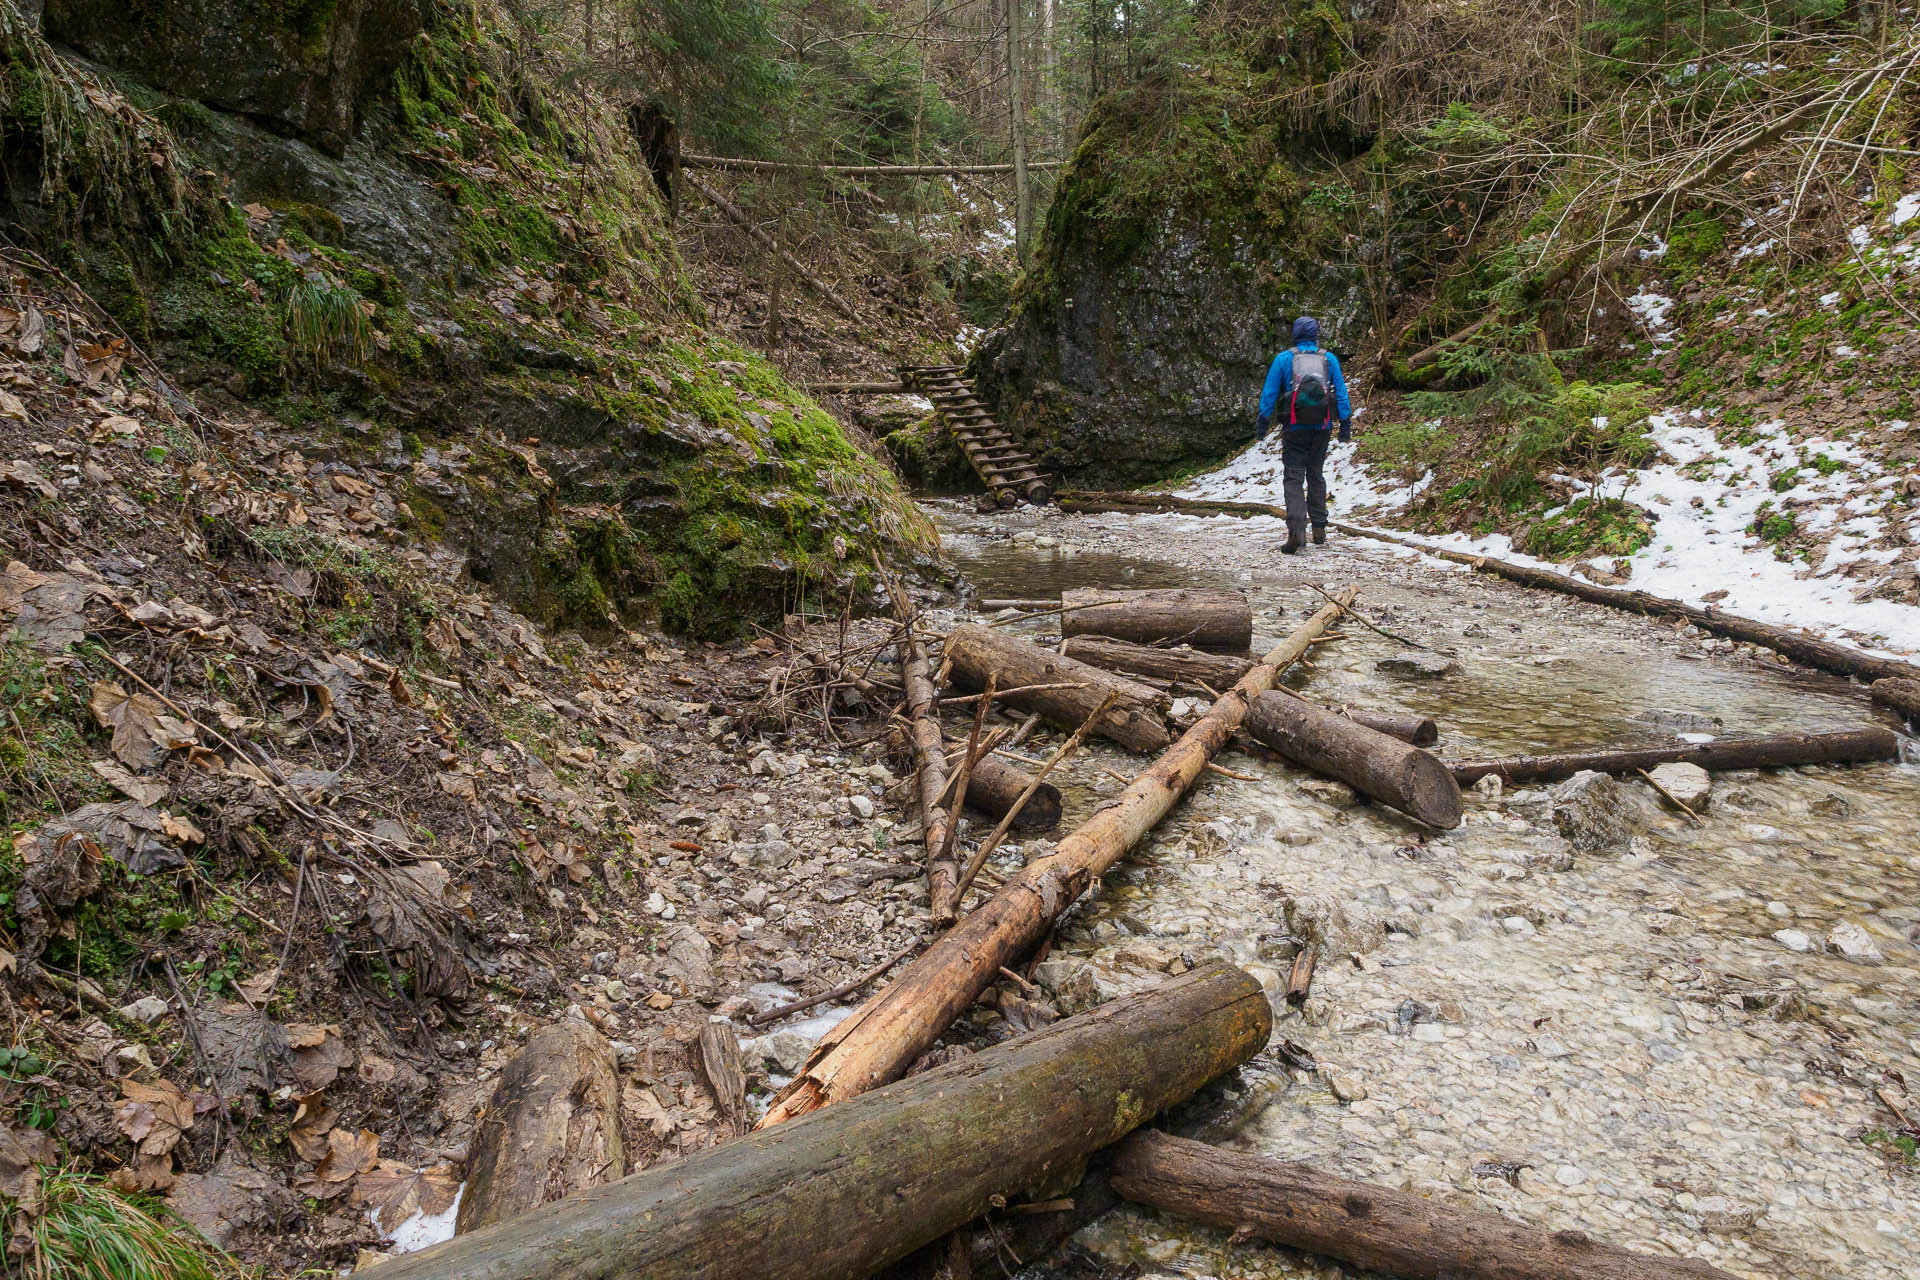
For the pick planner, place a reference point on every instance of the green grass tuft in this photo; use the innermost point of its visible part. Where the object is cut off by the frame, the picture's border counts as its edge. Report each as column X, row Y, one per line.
column 89, row 1231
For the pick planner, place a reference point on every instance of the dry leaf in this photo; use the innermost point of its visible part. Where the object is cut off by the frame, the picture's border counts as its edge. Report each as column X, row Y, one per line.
column 395, row 1192
column 25, row 474
column 181, row 829
column 348, row 1156
column 153, row 1115
column 147, row 791
column 22, row 1151
column 312, row 1122
column 258, row 989
column 143, row 729
column 11, row 407
column 146, row 1173
column 316, row 1063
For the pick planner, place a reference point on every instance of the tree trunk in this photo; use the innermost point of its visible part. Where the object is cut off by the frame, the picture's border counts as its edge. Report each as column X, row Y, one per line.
column 882, row 1038
column 1847, row 746
column 1372, row 1228
column 1221, row 621
column 1386, row 769
column 1821, row 655
column 861, row 1185
column 718, row 1056
column 1064, row 691
column 1017, row 103
column 1217, row 671
column 995, row 785
column 552, row 1127
column 1902, row 695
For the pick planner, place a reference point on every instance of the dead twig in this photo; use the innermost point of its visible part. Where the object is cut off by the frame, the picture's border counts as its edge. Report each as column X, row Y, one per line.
column 845, row 989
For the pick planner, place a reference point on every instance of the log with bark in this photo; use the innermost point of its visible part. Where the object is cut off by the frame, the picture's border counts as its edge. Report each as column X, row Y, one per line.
column 882, row 1038
column 717, row 1054
column 1902, row 696
column 551, row 1128
column 1062, row 690
column 930, row 767
column 858, row 1186
column 1822, row 655
column 1386, row 769
column 1847, row 746
column 1220, row 621
column 996, row 785
column 1217, row 671
column 1373, row 1228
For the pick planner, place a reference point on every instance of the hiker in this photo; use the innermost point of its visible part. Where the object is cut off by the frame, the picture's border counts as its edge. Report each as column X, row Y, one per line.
column 1305, row 388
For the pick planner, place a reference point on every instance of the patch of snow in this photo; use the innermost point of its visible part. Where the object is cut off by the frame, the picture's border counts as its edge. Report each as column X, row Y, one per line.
column 1906, row 209
column 1859, row 237
column 1754, row 250
column 1829, row 299
column 422, row 1230
column 1659, row 249
column 967, row 339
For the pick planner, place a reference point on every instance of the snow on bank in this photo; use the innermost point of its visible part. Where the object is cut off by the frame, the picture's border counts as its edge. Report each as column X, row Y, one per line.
column 1705, row 495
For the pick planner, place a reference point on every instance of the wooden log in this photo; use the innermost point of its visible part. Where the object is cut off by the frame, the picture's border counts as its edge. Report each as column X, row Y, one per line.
column 882, row 1038
column 1372, row 1228
column 1221, row 621
column 718, row 1058
column 860, row 1185
column 1847, row 746
column 1901, row 695
column 1136, row 719
column 996, row 784
column 930, row 766
column 1217, row 671
column 1022, row 606
column 1388, row 770
column 1808, row 651
column 1184, row 665
column 552, row 1127
column 696, row 161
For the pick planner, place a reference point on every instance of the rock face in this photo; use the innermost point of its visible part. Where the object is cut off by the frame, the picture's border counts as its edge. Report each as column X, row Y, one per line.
column 303, row 67
column 1147, row 356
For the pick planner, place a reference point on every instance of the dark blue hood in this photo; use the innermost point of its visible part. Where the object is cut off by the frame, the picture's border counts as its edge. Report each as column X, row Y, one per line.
column 1306, row 329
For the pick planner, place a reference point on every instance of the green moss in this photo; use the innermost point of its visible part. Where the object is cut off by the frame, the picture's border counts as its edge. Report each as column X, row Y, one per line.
column 1587, row 526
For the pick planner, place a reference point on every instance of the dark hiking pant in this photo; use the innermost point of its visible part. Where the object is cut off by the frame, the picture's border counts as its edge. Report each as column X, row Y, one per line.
column 1303, row 452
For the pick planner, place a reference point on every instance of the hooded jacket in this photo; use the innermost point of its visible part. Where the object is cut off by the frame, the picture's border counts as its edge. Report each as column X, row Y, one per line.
column 1306, row 337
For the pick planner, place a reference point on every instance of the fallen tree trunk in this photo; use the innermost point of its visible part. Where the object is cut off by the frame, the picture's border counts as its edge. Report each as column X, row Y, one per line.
column 883, row 1037
column 1218, row 620
column 1214, row 671
column 1386, row 769
column 1064, row 691
column 996, row 785
column 1822, row 655
column 1372, row 1228
column 1188, row 666
column 551, row 1128
column 692, row 160
column 1901, row 695
column 930, row 767
column 1021, row 606
column 1846, row 746
column 861, row 1185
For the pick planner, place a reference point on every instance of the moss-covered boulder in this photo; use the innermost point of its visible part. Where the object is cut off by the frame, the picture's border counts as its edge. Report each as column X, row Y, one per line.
column 300, row 66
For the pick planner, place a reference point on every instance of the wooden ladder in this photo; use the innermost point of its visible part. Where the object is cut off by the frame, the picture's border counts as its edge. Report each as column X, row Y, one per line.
column 1009, row 474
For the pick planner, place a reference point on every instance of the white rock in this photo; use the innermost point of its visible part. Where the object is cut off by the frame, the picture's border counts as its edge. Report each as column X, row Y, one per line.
column 862, row 805
column 1347, row 1088
column 1793, row 940
column 1853, row 942
column 1689, row 784
column 616, row 990
column 1519, row 926
column 1569, row 1175
column 146, row 1010
column 657, row 903
column 1429, row 1032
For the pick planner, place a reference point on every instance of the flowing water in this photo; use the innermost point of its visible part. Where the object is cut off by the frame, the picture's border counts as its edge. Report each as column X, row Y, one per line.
column 1654, row 1042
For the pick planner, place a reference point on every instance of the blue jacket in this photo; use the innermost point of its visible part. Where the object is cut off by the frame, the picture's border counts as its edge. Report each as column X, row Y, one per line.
column 1280, row 380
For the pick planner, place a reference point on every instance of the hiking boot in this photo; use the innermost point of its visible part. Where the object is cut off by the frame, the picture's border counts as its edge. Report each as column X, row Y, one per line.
column 1296, row 539
column 1319, row 535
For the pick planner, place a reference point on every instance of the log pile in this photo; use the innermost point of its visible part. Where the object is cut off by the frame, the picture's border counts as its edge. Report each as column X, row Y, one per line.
column 1221, row 621
column 1066, row 692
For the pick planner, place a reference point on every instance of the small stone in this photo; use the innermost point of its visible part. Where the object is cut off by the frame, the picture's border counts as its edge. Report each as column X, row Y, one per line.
column 146, row 1010
column 1686, row 784
column 1793, row 940
column 1594, row 812
column 771, row 831
column 1347, row 1088
column 1855, row 943
column 755, row 898
column 616, row 990
column 657, row 903
column 1725, row 1216
column 764, row 765
column 1519, row 926
column 1550, row 1047
column 625, row 1050
column 862, row 805
column 1568, row 1175
column 1416, row 666
column 1429, row 1032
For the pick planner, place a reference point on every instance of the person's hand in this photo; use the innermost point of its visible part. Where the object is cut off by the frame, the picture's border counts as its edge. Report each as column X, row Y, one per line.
column 1346, row 431
column 1261, row 427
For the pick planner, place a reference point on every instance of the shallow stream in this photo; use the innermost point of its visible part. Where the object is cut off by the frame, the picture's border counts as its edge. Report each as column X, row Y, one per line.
column 1653, row 1042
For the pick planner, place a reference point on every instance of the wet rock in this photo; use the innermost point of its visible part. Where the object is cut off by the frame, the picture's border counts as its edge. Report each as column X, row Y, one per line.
column 783, row 1051
column 1854, row 942
column 1342, row 928
column 1337, row 794
column 1416, row 666
column 1548, row 1046
column 1687, row 784
column 1832, row 805
column 1676, row 722
column 1793, row 940
column 1519, row 926
column 1594, row 812
column 1726, row 1216
column 1347, row 1088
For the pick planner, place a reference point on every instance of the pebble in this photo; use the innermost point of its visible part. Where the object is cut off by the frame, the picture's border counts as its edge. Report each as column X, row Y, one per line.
column 146, row 1010
column 1688, row 784
column 862, row 806
column 1416, row 666
column 1347, row 1088
column 1550, row 1047
column 1793, row 940
column 1854, row 942
column 1519, row 925
column 1568, row 1175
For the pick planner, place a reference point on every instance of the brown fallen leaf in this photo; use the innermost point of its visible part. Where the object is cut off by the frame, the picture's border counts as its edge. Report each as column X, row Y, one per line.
column 258, row 989
column 153, row 1115
column 147, row 791
column 22, row 1152
column 316, row 1063
column 144, row 731
column 312, row 1122
column 395, row 1192
column 348, row 1156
